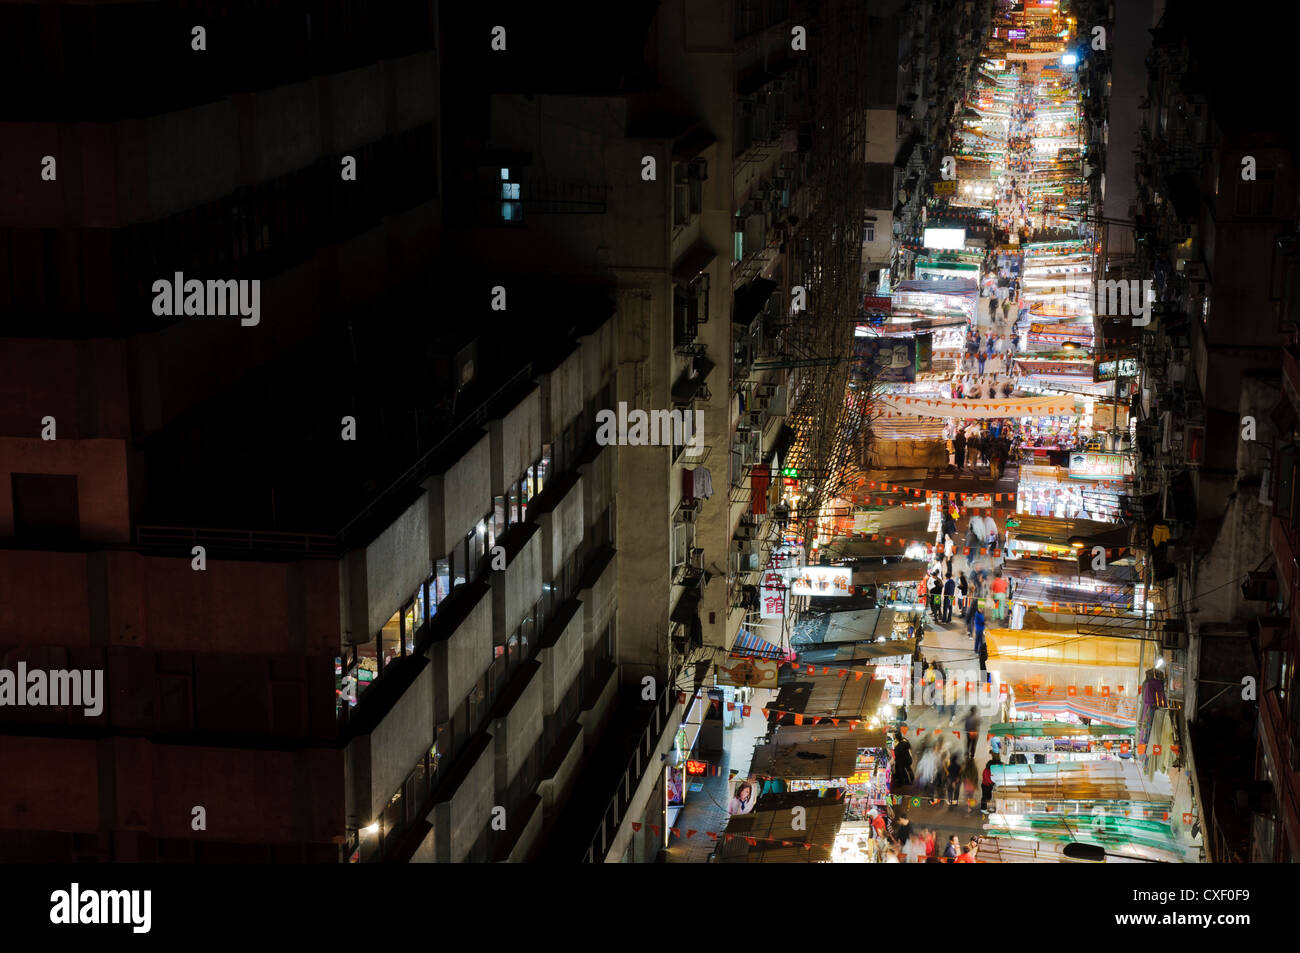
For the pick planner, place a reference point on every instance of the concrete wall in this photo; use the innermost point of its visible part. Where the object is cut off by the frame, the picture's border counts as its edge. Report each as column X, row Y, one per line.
column 100, row 467
column 516, row 441
column 598, row 483
column 249, row 796
column 561, row 664
column 461, row 819
column 516, row 589
column 517, row 732
column 564, row 393
column 81, row 384
column 600, row 602
column 461, row 660
column 396, row 563
column 463, row 492
column 399, row 741
column 562, row 529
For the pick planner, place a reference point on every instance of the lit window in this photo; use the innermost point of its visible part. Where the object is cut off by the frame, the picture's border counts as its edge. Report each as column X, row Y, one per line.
column 505, row 174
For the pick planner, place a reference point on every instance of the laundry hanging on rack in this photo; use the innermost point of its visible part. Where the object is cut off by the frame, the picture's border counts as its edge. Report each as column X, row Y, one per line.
column 703, row 483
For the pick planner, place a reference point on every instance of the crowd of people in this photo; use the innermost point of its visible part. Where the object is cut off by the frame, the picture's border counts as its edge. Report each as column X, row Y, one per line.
column 944, row 773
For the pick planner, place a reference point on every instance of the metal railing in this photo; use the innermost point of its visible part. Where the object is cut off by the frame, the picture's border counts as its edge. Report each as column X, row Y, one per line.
column 641, row 761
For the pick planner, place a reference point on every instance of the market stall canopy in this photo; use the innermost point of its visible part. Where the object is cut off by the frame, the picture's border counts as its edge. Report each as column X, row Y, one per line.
column 855, row 654
column 804, row 734
column 828, row 696
column 1040, row 645
column 1025, row 568
column 905, row 570
column 1054, row 729
column 859, row 626
column 1043, row 529
column 806, row 760
column 977, row 409
column 938, row 286
column 771, row 828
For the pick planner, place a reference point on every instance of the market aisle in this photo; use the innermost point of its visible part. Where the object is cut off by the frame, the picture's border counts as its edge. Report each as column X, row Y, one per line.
column 706, row 809
column 949, row 645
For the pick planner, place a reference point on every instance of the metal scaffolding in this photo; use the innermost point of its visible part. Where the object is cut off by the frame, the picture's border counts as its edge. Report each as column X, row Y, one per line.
column 827, row 256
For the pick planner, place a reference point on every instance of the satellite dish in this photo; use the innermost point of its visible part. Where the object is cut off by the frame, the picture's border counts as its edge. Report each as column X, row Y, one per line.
column 1089, row 852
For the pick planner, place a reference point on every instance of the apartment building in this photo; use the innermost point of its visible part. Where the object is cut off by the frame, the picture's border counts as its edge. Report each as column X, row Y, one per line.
column 1214, row 425
column 346, row 570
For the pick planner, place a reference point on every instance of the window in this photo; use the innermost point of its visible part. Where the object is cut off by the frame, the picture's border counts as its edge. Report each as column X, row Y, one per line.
column 683, row 539
column 442, row 580
column 390, row 641
column 545, row 466
column 498, row 518
column 512, row 209
column 412, row 617
column 869, row 232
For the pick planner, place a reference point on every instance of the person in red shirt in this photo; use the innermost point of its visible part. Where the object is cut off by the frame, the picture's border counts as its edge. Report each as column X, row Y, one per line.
column 968, row 855
column 929, row 842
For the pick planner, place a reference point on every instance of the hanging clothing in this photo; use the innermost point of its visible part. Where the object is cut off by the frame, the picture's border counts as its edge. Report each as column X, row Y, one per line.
column 688, row 487
column 703, row 483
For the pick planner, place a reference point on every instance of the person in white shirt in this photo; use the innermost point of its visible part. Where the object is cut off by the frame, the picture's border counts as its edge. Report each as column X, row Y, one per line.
column 976, row 533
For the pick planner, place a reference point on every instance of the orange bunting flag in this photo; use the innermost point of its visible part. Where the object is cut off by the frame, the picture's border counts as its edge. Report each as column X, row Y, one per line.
column 765, row 713
column 857, row 676
column 798, row 719
column 853, row 723
column 843, row 672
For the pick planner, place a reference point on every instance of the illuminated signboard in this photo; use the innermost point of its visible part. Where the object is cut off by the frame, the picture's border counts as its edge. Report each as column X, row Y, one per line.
column 1015, row 34
column 821, row 581
column 945, row 238
column 696, row 767
column 1093, row 465
column 1124, row 367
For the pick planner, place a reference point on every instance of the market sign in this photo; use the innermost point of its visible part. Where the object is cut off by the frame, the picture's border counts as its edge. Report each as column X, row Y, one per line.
column 948, row 187
column 1110, row 370
column 1093, row 465
column 755, row 672
column 877, row 304
column 945, row 237
column 887, row 359
column 821, row 581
